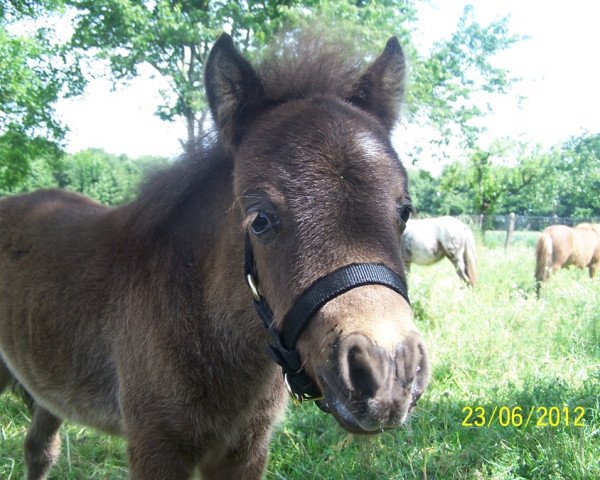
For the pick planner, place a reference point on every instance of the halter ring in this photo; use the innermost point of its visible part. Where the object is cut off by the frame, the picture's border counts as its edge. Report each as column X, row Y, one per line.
column 296, row 398
column 252, row 285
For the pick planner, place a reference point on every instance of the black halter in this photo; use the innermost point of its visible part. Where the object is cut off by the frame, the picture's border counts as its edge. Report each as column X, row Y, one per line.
column 283, row 347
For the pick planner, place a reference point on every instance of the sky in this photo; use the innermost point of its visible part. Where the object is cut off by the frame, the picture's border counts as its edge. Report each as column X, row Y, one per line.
column 558, row 65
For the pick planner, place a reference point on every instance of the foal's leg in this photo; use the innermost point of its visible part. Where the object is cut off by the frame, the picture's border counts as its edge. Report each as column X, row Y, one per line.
column 5, row 376
column 237, row 465
column 42, row 443
column 153, row 456
column 593, row 269
column 246, row 460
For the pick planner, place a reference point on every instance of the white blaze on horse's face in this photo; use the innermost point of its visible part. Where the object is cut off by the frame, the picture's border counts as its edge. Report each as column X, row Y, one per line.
column 368, row 144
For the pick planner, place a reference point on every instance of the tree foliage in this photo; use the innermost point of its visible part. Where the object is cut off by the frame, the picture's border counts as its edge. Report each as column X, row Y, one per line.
column 110, row 179
column 509, row 177
column 575, row 173
column 36, row 69
column 449, row 86
column 174, row 37
column 17, row 151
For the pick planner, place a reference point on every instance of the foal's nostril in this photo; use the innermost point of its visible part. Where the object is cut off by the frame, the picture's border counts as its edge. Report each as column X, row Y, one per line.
column 361, row 372
column 363, row 365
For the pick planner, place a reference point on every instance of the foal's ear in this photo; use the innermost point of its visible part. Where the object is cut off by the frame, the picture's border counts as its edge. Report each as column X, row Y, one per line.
column 233, row 89
column 381, row 87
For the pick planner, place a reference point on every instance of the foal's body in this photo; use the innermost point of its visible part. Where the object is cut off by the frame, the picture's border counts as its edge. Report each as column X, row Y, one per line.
column 426, row 241
column 137, row 320
column 99, row 342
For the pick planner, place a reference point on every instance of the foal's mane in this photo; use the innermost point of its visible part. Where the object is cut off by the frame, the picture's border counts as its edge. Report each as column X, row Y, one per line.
column 164, row 193
column 300, row 65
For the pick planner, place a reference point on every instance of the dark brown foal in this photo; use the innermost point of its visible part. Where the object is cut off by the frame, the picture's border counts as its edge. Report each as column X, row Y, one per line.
column 151, row 320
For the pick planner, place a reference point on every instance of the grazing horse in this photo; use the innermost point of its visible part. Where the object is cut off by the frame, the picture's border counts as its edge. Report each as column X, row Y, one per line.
column 150, row 320
column 426, row 241
column 589, row 226
column 560, row 246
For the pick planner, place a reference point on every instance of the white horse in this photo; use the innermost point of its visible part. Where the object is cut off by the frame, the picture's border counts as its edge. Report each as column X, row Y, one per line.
column 428, row 240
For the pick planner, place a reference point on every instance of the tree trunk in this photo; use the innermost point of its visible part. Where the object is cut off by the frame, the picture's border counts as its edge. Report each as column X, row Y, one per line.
column 190, row 123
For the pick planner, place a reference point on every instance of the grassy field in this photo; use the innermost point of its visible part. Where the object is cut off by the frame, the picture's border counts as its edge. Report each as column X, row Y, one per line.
column 495, row 347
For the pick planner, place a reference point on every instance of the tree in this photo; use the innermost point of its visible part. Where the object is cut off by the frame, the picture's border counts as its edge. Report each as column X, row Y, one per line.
column 576, row 175
column 507, row 177
column 513, row 177
column 455, row 190
column 525, row 183
column 17, row 151
column 110, row 179
column 458, row 70
column 425, row 192
column 492, row 185
column 173, row 37
column 35, row 71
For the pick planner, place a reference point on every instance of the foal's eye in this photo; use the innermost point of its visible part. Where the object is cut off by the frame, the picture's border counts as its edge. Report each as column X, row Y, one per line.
column 261, row 224
column 404, row 212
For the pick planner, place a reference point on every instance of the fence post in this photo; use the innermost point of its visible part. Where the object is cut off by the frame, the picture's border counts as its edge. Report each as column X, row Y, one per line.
column 481, row 224
column 511, row 229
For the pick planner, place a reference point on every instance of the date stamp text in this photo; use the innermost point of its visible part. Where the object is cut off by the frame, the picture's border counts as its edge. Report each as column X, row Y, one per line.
column 537, row 416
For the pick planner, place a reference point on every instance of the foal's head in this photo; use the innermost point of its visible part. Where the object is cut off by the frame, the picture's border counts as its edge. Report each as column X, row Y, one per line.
column 320, row 187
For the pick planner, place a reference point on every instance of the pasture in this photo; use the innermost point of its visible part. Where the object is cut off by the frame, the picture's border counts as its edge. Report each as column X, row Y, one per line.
column 492, row 347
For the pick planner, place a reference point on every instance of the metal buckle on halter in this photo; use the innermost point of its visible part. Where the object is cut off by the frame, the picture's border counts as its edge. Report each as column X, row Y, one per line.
column 252, row 286
column 297, row 399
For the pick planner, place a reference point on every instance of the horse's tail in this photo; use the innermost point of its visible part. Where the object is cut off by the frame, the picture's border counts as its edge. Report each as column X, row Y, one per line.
column 543, row 259
column 470, row 258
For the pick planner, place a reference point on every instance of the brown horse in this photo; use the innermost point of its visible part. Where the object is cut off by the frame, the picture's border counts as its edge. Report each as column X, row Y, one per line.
column 137, row 320
column 589, row 226
column 560, row 246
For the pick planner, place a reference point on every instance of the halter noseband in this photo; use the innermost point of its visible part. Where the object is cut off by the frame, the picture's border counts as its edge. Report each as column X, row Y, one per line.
column 283, row 347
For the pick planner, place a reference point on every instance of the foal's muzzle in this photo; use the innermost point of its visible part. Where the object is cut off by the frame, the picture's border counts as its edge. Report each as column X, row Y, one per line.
column 283, row 347
column 370, row 388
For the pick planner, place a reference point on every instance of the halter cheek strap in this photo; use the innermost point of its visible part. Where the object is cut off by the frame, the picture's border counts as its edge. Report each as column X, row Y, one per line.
column 282, row 348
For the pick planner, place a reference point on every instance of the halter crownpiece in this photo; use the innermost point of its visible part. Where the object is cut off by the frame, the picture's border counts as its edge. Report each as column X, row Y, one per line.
column 283, row 347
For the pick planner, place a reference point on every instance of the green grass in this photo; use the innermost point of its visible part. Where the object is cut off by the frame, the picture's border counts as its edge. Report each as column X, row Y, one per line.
column 494, row 346
column 520, row 238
